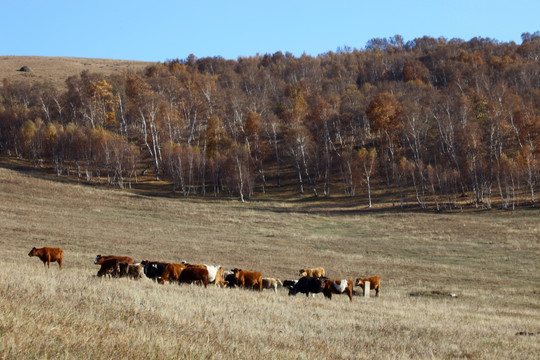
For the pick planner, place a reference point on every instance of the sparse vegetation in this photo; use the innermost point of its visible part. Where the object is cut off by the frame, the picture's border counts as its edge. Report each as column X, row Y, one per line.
column 490, row 260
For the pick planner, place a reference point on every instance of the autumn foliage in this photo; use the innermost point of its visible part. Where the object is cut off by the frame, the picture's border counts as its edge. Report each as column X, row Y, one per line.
column 433, row 122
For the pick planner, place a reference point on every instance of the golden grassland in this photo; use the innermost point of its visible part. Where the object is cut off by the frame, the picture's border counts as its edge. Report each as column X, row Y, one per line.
column 57, row 69
column 490, row 259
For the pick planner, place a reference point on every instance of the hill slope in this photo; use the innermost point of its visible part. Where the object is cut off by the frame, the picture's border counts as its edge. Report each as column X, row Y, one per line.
column 488, row 260
column 57, row 69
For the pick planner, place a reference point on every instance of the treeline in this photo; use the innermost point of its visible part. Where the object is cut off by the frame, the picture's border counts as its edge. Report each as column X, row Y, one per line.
column 444, row 122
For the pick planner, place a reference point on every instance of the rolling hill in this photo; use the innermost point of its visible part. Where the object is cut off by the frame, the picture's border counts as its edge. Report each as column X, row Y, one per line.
column 57, row 69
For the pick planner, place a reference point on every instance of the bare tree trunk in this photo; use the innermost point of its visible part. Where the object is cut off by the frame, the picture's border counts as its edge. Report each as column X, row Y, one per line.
column 241, row 178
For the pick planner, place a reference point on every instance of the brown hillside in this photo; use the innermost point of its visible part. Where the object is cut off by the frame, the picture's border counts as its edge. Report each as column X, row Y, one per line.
column 58, row 69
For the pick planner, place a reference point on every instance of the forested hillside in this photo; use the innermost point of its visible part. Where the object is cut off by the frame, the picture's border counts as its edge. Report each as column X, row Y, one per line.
column 433, row 122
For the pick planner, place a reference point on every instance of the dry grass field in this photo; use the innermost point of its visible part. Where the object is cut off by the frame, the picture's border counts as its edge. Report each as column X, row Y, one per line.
column 489, row 259
column 57, row 69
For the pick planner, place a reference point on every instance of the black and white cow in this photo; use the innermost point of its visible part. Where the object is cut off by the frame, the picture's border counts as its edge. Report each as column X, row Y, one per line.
column 307, row 285
column 153, row 269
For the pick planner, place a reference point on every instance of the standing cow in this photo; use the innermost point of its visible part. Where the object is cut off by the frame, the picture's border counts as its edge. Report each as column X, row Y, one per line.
column 315, row 272
column 337, row 286
column 172, row 272
column 307, row 285
column 245, row 278
column 153, row 269
column 374, row 283
column 48, row 255
column 194, row 274
column 271, row 283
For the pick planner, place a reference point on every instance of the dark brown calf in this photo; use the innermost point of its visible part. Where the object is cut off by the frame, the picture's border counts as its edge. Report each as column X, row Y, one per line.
column 48, row 255
column 108, row 267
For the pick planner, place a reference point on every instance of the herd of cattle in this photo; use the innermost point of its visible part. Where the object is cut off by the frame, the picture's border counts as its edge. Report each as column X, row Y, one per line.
column 311, row 281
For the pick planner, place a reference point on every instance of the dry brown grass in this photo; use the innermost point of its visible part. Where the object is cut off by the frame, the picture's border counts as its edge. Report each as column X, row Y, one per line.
column 57, row 69
column 489, row 259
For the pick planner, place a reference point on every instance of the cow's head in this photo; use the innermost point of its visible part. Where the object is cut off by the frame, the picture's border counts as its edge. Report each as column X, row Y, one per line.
column 302, row 273
column 160, row 280
column 359, row 282
column 98, row 257
column 32, row 252
column 237, row 275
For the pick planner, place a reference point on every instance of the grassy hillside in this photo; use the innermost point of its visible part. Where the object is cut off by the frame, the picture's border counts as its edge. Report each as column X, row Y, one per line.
column 489, row 259
column 57, row 69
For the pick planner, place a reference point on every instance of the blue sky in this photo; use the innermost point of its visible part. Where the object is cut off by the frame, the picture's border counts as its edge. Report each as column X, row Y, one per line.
column 161, row 30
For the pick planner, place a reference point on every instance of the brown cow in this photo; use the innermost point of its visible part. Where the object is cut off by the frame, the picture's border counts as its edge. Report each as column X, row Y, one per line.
column 171, row 273
column 315, row 272
column 248, row 278
column 374, row 283
column 194, row 274
column 336, row 286
column 48, row 255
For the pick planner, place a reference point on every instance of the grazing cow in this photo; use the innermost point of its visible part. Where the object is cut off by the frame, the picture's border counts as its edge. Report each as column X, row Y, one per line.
column 194, row 274
column 48, row 255
column 316, row 272
column 132, row 271
column 306, row 285
column 100, row 259
column 289, row 283
column 374, row 283
column 108, row 267
column 171, row 273
column 336, row 286
column 271, row 283
column 247, row 278
column 153, row 269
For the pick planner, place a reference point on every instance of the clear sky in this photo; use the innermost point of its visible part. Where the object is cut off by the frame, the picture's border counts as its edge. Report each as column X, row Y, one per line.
column 158, row 30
